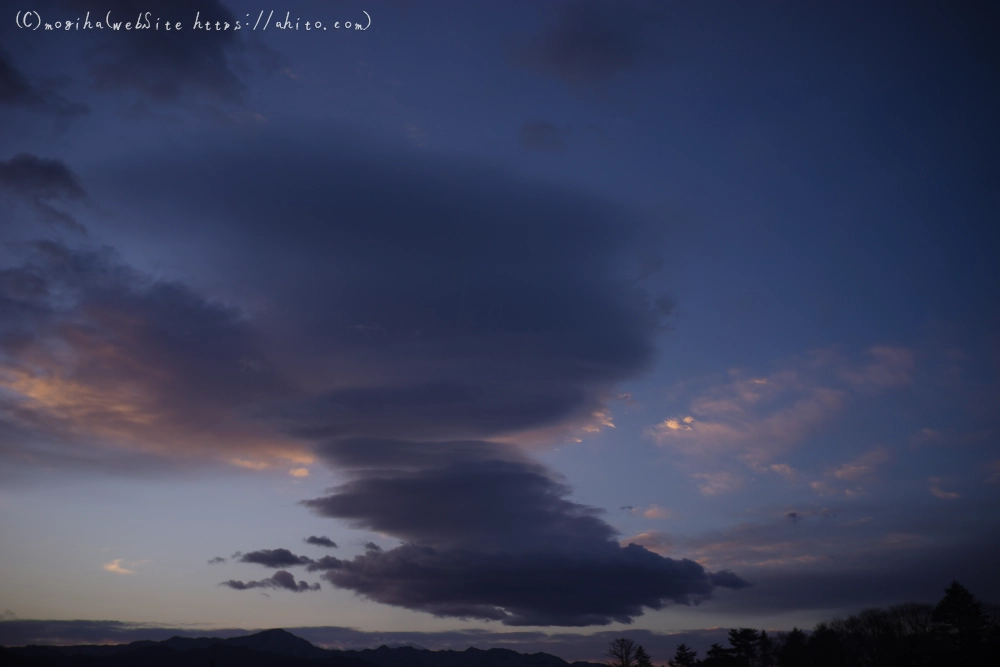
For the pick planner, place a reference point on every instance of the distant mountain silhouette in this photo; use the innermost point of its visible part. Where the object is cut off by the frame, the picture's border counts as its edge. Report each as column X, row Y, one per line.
column 271, row 648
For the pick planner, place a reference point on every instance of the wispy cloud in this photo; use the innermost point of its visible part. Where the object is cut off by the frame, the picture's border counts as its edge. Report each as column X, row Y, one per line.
column 712, row 483
column 937, row 490
column 120, row 566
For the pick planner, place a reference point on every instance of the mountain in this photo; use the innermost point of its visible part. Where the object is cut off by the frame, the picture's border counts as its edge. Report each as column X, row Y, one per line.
column 270, row 648
column 407, row 656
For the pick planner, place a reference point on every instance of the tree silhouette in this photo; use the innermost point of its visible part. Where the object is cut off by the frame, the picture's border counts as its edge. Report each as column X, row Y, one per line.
column 961, row 623
column 642, row 658
column 622, row 653
column 959, row 610
column 719, row 656
column 744, row 643
column 684, row 657
column 960, row 631
column 791, row 649
column 765, row 650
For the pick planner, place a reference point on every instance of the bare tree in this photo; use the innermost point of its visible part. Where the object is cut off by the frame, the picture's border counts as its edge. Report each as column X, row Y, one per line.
column 622, row 653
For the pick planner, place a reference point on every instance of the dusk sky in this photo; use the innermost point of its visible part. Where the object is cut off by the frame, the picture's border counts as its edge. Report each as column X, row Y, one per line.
column 495, row 323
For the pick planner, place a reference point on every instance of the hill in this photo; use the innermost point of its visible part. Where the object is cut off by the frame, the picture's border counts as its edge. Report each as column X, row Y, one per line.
column 270, row 648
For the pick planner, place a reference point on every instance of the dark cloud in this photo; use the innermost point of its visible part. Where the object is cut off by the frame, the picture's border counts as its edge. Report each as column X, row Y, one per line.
column 217, row 560
column 16, row 90
column 324, row 563
column 167, row 67
column 280, row 579
column 564, row 588
column 320, row 541
column 473, row 531
column 379, row 453
column 39, row 182
column 591, row 42
column 543, row 137
column 727, row 579
column 275, row 558
column 414, row 308
column 425, row 410
column 491, row 505
column 438, row 329
column 371, row 546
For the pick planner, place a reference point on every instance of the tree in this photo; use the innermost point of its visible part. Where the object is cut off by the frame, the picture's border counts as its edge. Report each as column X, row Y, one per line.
column 642, row 658
column 684, row 657
column 765, row 650
column 962, row 624
column 825, row 647
column 792, row 648
column 718, row 656
column 744, row 643
column 960, row 611
column 621, row 653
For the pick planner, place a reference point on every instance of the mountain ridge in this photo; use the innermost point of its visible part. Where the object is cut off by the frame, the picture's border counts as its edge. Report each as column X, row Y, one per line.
column 268, row 648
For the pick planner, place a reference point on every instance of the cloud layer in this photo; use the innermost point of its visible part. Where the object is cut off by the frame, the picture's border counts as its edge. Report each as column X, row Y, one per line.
column 499, row 540
column 281, row 579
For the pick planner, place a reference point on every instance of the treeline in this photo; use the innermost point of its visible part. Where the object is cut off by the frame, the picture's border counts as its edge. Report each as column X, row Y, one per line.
column 958, row 632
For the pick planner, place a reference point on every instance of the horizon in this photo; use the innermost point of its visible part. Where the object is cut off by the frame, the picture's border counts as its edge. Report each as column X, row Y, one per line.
column 526, row 322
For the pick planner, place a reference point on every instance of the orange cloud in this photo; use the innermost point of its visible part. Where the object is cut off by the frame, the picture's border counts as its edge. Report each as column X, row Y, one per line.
column 656, row 512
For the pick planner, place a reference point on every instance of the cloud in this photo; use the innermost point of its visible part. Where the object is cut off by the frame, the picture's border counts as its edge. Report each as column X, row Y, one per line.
column 324, row 563
column 320, row 541
column 713, row 483
column 16, row 90
column 938, row 492
column 861, row 467
column 471, row 528
column 755, row 421
column 653, row 540
column 478, row 341
column 478, row 585
column 274, row 558
column 889, row 367
column 416, row 135
column 218, row 560
column 40, row 182
column 280, row 579
column 992, row 469
column 371, row 546
column 299, row 472
column 783, row 469
column 543, row 137
column 97, row 358
column 471, row 348
column 656, row 512
column 592, row 42
column 851, row 478
column 119, row 566
column 167, row 67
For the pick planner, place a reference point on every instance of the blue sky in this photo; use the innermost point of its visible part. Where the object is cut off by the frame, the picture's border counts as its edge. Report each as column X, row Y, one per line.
column 604, row 316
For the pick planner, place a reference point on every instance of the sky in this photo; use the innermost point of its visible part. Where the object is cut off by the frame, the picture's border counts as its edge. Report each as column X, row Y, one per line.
column 499, row 324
